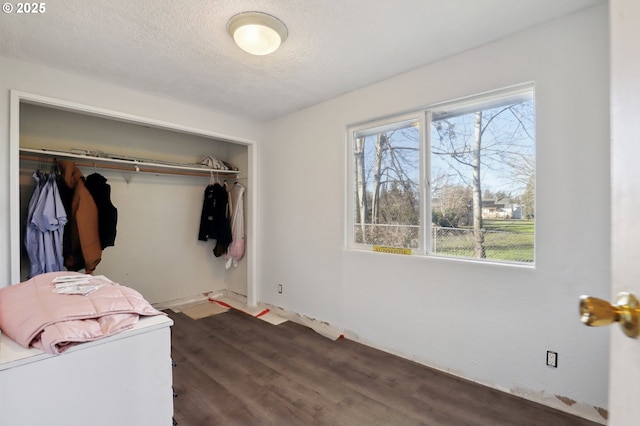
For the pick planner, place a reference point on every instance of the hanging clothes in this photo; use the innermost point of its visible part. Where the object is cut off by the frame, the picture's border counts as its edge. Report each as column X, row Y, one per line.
column 235, row 251
column 82, row 247
column 31, row 236
column 100, row 190
column 46, row 219
column 214, row 220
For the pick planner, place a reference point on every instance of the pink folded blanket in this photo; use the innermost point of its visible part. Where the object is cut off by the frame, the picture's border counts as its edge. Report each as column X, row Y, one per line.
column 33, row 314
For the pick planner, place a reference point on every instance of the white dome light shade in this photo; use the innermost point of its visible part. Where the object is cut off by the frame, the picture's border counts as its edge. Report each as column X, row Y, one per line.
column 256, row 32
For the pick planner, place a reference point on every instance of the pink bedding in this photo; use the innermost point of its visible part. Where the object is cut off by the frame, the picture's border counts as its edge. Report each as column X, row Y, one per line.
column 32, row 314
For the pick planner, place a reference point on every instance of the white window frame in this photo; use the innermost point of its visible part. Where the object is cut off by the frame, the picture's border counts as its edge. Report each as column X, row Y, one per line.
column 424, row 117
column 372, row 128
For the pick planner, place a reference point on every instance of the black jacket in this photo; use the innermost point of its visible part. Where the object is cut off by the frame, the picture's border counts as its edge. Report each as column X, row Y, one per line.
column 107, row 213
column 214, row 220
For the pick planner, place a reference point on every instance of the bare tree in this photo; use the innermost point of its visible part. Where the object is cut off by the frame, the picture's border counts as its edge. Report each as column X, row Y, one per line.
column 478, row 229
column 361, row 189
column 451, row 203
column 386, row 185
column 382, row 145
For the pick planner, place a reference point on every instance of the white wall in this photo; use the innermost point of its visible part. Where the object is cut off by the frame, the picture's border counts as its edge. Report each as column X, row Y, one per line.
column 491, row 324
column 39, row 80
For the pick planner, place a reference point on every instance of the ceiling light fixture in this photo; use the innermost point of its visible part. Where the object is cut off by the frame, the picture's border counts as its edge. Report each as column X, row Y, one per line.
column 256, row 32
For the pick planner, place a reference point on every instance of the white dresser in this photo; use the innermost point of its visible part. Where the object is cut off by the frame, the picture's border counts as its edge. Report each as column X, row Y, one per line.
column 124, row 380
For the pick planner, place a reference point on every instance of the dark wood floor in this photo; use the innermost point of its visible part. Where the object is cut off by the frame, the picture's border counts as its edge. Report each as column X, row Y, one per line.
column 233, row 369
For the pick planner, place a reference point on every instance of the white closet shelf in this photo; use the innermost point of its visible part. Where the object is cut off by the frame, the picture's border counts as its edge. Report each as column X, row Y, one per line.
column 131, row 165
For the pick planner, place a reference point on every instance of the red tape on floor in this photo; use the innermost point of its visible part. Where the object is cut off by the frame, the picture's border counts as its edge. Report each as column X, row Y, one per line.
column 226, row 305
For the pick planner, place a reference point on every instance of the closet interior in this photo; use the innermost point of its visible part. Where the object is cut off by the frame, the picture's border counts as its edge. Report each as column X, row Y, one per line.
column 157, row 185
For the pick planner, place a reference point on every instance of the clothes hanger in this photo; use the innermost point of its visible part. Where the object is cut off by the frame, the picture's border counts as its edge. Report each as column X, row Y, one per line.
column 55, row 168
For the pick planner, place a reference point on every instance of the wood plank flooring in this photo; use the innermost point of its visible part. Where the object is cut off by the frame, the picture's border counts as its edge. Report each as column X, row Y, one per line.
column 233, row 369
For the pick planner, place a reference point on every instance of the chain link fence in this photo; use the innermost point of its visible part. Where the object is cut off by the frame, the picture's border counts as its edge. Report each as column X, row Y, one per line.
column 499, row 245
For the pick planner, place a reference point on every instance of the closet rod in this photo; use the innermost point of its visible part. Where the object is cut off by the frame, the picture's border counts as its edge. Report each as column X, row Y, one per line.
column 124, row 165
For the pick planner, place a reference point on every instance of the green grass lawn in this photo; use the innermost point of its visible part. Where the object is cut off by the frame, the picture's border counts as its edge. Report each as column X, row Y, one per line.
column 509, row 225
column 511, row 240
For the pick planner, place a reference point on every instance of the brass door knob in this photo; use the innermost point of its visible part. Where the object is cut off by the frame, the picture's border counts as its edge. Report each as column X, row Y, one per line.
column 597, row 312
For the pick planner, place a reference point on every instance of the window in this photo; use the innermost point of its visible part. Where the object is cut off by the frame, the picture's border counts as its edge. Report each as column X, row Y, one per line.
column 464, row 188
column 387, row 175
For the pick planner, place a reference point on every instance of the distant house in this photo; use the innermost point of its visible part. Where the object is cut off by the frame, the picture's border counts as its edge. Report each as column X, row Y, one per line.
column 502, row 208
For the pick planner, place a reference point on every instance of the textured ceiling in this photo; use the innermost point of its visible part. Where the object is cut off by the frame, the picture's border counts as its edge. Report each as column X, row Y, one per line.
column 179, row 49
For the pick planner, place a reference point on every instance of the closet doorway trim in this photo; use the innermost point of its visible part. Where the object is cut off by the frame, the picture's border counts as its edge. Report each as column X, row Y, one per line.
column 18, row 97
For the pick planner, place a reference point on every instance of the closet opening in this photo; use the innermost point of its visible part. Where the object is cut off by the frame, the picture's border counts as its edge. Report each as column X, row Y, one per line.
column 157, row 250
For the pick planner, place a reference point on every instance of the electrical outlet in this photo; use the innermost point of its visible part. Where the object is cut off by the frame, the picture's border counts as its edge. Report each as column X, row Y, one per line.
column 280, row 288
column 552, row 359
